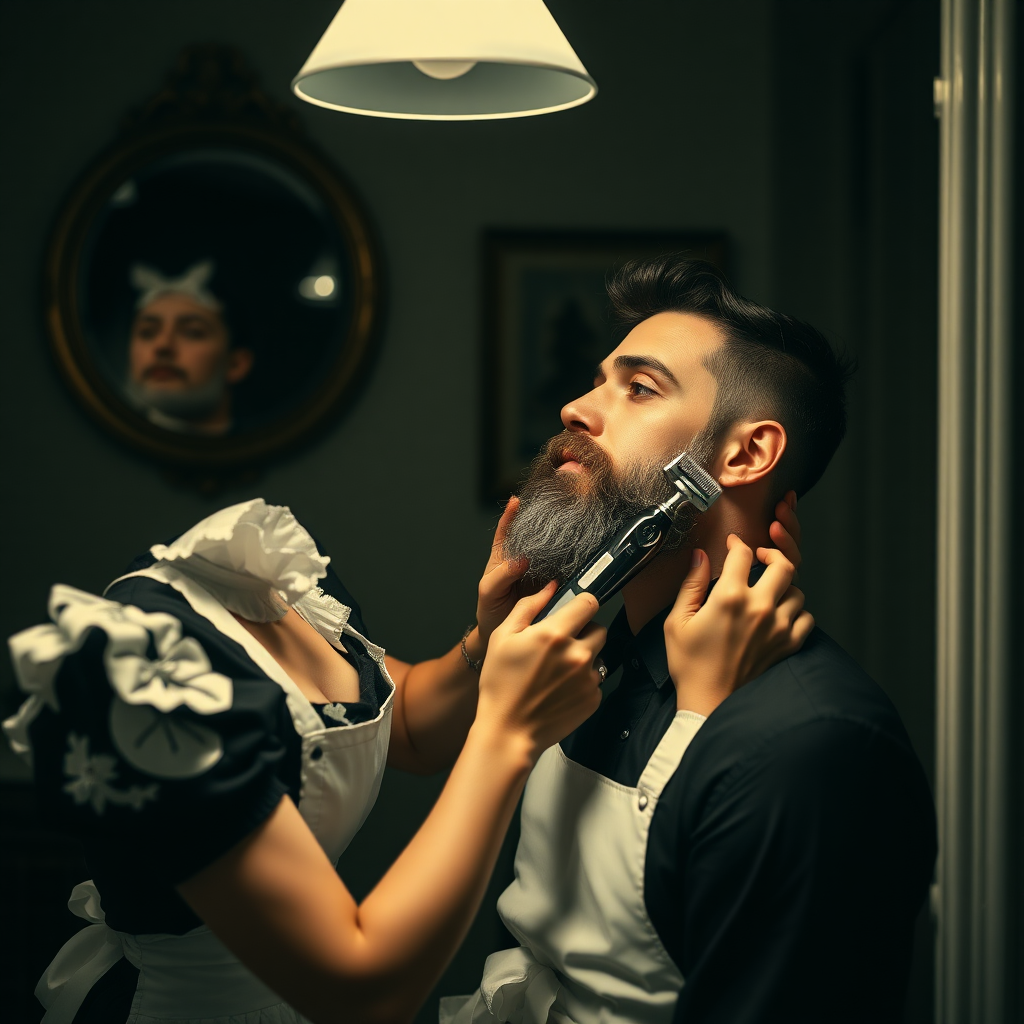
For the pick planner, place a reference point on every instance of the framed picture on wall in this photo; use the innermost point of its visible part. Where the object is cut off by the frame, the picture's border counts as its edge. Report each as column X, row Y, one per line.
column 545, row 329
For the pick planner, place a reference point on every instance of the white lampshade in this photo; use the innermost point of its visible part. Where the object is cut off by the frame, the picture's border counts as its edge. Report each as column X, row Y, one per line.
column 444, row 60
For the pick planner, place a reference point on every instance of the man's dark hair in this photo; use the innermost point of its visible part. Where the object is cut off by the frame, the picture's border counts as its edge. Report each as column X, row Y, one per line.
column 770, row 367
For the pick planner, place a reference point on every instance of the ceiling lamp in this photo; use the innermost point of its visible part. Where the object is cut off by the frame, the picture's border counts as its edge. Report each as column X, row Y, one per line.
column 444, row 60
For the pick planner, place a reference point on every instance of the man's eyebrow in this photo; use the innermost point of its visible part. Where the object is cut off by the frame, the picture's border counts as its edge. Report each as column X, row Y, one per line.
column 645, row 362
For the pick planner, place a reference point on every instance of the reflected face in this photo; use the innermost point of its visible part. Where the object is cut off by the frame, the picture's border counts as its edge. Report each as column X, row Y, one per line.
column 178, row 345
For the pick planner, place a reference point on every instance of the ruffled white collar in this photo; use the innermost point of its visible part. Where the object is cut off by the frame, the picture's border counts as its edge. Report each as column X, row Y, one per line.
column 256, row 560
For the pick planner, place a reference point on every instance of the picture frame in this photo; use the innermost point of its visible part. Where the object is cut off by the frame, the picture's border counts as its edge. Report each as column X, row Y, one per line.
column 214, row 184
column 545, row 328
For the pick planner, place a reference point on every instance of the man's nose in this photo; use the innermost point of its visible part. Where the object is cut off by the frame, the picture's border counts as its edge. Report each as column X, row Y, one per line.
column 582, row 415
column 164, row 344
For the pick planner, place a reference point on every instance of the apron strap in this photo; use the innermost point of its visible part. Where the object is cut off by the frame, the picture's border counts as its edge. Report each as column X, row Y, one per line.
column 669, row 753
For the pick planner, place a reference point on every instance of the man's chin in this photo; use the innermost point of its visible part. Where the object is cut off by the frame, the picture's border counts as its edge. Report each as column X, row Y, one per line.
column 178, row 399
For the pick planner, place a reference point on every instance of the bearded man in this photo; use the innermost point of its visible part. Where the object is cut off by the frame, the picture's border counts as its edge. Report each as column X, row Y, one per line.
column 774, row 872
column 183, row 361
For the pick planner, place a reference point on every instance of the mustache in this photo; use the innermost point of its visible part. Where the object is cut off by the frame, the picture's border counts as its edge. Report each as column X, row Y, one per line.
column 569, row 446
column 634, row 486
column 563, row 517
column 164, row 368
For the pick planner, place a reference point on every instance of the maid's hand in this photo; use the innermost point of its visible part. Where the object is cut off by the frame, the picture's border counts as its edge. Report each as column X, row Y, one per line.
column 497, row 593
column 541, row 680
column 785, row 531
column 740, row 631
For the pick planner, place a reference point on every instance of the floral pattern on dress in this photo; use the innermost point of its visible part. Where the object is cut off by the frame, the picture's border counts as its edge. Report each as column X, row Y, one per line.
column 337, row 712
column 91, row 777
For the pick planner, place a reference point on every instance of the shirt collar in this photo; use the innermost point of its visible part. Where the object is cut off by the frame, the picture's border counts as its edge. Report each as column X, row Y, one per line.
column 649, row 643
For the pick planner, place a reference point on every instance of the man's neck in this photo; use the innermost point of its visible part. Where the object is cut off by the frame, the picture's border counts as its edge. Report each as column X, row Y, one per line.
column 657, row 586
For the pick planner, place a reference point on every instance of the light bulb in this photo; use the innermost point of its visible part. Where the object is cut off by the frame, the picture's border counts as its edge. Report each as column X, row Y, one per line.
column 318, row 287
column 444, row 69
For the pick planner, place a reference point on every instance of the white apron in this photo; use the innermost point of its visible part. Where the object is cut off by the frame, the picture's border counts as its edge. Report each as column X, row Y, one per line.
column 589, row 953
column 194, row 976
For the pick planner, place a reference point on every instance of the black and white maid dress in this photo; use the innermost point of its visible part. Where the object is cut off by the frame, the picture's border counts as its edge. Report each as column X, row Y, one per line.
column 162, row 733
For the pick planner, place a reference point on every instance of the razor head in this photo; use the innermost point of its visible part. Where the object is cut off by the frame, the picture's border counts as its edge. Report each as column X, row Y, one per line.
column 694, row 484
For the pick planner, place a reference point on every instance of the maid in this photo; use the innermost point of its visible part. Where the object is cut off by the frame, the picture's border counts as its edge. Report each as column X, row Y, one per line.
column 215, row 727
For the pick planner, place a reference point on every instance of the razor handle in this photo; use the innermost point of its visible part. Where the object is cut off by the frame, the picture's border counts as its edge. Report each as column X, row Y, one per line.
column 617, row 562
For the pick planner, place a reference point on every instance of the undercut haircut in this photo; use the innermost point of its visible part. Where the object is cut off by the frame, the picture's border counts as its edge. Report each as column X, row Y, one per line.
column 770, row 366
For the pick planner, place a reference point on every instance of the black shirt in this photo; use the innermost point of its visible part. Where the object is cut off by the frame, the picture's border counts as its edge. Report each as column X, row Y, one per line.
column 791, row 851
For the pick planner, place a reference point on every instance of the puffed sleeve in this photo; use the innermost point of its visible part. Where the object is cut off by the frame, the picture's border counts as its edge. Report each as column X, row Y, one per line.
column 148, row 727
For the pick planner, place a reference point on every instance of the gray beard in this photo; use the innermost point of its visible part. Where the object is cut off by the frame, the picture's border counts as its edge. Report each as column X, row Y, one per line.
column 564, row 517
column 188, row 404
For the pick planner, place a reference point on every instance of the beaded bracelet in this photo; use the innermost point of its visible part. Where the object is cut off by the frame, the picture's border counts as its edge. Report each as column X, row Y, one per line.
column 469, row 661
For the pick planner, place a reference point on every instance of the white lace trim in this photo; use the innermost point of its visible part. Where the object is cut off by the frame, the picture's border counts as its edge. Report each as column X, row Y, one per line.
column 326, row 614
column 254, row 558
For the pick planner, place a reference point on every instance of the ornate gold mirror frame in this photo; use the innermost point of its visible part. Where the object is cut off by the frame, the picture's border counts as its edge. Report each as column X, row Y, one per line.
column 209, row 100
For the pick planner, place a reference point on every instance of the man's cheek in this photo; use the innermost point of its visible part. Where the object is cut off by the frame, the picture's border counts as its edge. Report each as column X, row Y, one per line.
column 200, row 367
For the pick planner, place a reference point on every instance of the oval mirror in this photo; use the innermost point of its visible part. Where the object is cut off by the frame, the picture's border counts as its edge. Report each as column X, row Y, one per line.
column 212, row 287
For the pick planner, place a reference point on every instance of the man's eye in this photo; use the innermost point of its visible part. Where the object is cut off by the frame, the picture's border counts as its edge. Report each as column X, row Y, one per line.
column 637, row 389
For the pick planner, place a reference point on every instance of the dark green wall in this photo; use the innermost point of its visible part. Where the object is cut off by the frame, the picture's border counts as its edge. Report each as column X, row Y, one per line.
column 856, row 211
column 803, row 129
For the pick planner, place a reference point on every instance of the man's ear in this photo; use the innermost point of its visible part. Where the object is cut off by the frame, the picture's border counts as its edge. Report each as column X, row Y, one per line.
column 750, row 452
column 240, row 362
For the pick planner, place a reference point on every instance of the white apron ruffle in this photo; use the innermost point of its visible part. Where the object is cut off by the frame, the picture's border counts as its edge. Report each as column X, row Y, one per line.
column 516, row 988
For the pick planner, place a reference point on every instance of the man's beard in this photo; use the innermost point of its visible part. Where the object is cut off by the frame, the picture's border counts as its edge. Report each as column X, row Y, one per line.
column 192, row 403
column 564, row 517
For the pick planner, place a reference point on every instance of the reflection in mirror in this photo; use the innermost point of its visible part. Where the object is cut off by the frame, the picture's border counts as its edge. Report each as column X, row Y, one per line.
column 214, row 291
